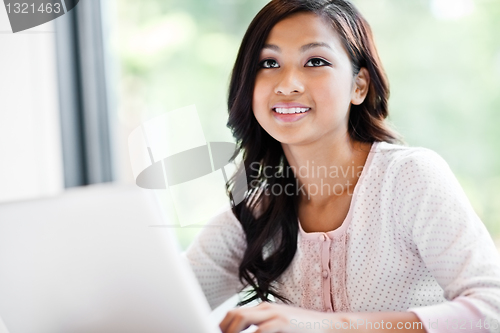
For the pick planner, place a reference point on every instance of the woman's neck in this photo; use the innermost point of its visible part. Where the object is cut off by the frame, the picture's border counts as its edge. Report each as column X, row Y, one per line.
column 327, row 171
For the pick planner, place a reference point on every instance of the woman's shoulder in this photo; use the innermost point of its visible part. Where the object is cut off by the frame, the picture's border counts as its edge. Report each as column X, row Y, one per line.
column 221, row 237
column 414, row 172
column 394, row 152
column 396, row 158
column 410, row 169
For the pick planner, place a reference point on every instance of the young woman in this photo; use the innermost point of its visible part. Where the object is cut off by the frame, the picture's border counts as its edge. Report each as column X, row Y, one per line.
column 341, row 226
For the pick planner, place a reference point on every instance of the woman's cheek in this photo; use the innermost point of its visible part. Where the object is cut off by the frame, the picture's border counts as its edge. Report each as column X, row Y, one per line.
column 260, row 98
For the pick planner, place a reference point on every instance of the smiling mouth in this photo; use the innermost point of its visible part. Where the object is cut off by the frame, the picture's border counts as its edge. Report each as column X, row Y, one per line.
column 290, row 110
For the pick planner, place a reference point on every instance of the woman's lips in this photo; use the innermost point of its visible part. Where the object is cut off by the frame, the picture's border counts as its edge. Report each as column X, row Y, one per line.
column 290, row 110
column 290, row 114
column 287, row 105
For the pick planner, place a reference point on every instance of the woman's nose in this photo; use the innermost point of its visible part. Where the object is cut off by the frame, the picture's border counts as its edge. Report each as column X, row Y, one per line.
column 289, row 83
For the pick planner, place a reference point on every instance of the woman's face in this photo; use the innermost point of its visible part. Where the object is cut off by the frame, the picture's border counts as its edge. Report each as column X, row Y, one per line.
column 305, row 84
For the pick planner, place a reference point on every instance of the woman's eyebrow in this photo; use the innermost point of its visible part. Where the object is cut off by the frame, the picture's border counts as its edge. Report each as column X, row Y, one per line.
column 313, row 45
column 272, row 47
column 303, row 48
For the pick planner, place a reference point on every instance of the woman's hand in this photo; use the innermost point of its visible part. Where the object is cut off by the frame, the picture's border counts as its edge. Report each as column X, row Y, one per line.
column 272, row 318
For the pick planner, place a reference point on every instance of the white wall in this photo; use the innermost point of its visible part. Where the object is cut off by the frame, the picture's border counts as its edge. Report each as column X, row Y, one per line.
column 30, row 149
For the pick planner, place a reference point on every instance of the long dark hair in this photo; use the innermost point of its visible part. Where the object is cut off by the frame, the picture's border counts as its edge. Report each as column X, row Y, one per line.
column 268, row 220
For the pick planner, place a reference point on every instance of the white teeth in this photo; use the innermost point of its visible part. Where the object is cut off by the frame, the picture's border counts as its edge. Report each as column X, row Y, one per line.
column 291, row 110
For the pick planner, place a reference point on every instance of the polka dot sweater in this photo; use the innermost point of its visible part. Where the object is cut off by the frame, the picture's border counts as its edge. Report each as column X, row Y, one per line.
column 410, row 242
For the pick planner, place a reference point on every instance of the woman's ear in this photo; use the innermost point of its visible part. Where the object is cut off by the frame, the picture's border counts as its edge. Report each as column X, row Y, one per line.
column 361, row 86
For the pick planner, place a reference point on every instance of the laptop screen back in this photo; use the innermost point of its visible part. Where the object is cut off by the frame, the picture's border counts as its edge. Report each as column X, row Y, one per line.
column 90, row 261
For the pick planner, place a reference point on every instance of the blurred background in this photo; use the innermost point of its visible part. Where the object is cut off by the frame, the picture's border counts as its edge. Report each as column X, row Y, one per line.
column 72, row 90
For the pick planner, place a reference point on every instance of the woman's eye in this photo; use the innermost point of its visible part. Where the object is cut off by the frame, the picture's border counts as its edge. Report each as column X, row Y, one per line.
column 317, row 62
column 269, row 63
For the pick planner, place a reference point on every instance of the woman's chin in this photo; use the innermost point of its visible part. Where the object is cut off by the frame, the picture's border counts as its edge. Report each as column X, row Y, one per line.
column 291, row 140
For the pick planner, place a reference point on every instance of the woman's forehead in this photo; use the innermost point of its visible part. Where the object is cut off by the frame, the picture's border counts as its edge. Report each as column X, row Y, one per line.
column 301, row 29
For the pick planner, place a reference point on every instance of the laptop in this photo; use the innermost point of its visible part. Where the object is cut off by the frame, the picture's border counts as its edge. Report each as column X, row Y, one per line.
column 94, row 260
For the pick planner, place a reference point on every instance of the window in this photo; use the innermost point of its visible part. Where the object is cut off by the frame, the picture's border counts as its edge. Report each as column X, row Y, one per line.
column 30, row 146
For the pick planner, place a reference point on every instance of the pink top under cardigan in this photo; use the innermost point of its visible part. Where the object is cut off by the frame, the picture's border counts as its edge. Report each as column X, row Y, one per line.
column 410, row 242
